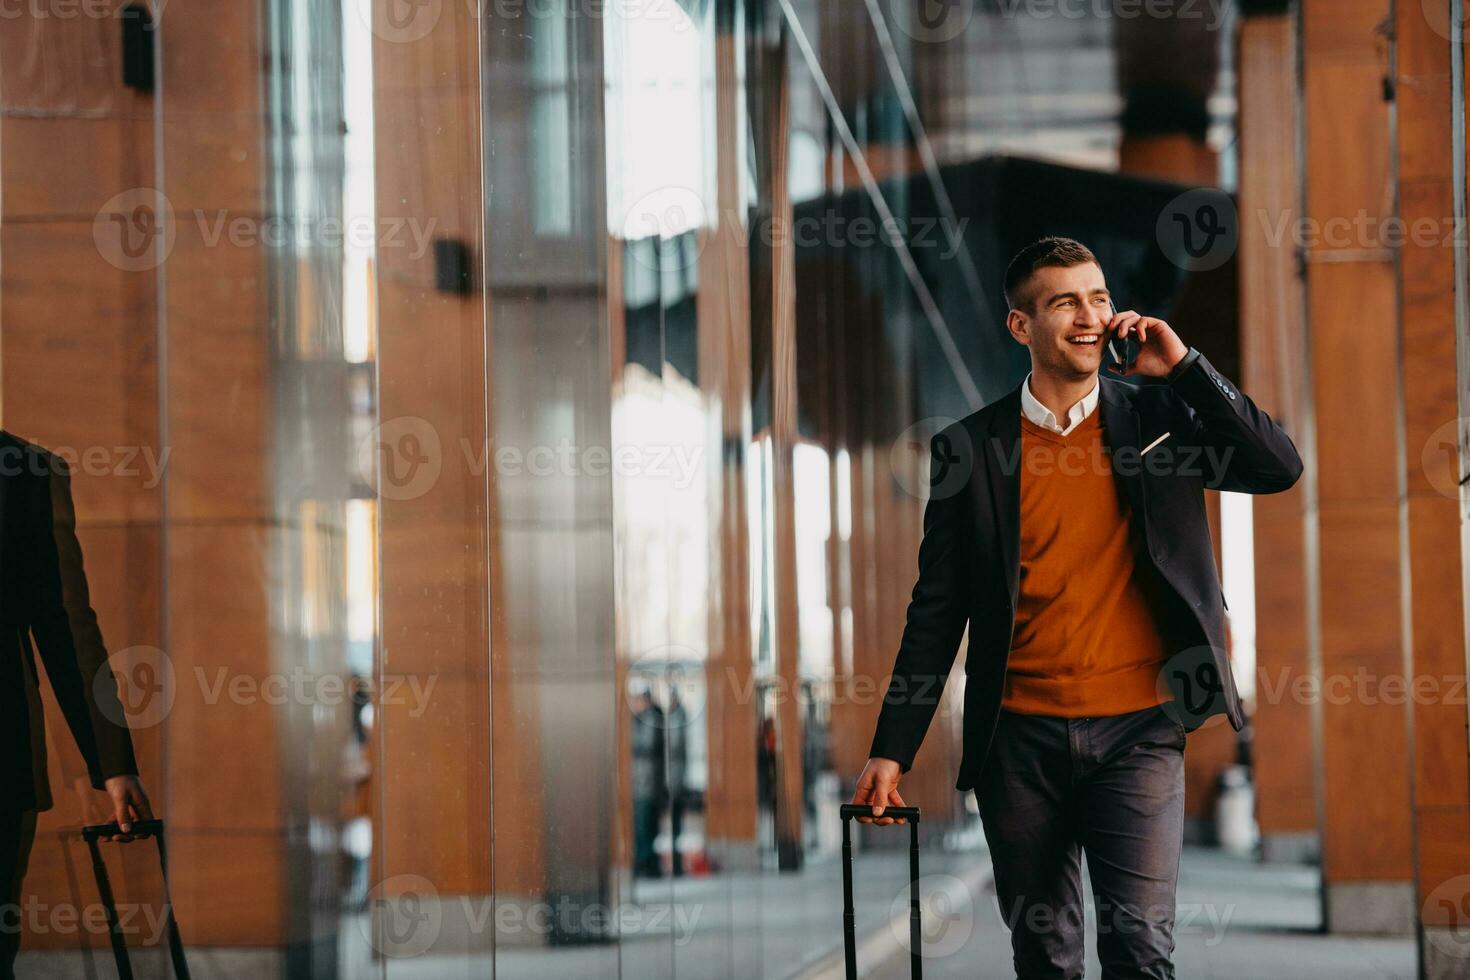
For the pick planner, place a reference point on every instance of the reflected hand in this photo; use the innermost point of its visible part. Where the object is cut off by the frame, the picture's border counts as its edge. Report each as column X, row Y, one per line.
column 1159, row 347
column 878, row 787
column 129, row 803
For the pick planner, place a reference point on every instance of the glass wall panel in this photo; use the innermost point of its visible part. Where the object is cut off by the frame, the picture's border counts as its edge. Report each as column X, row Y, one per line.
column 480, row 450
column 554, row 759
column 429, row 908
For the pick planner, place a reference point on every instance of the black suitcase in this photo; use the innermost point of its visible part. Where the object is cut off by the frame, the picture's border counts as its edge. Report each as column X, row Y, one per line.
column 153, row 828
column 849, row 941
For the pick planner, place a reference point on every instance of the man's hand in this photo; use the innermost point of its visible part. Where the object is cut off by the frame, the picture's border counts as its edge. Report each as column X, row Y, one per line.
column 878, row 787
column 129, row 803
column 1159, row 347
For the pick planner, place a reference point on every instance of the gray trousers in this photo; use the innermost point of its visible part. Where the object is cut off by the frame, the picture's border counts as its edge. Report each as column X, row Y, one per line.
column 1112, row 788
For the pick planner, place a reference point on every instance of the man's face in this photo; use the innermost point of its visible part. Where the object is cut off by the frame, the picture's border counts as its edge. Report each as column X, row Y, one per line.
column 1065, row 326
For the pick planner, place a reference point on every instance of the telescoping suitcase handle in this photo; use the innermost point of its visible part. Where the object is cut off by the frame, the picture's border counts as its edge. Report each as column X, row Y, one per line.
column 849, row 925
column 151, row 828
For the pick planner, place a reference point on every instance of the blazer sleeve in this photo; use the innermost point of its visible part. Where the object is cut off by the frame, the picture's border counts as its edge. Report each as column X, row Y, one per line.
column 65, row 628
column 938, row 609
column 1247, row 451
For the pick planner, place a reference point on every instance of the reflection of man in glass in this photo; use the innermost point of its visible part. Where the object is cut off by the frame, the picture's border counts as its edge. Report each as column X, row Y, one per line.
column 43, row 594
column 648, row 781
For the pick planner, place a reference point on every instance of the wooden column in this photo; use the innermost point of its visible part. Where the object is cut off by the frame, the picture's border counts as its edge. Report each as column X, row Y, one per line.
column 439, row 542
column 724, row 337
column 1356, row 564
column 1284, row 753
column 1441, row 778
column 783, row 434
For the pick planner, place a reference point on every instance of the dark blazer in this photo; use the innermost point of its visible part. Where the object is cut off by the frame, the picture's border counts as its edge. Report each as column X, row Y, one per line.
column 969, row 558
column 43, row 594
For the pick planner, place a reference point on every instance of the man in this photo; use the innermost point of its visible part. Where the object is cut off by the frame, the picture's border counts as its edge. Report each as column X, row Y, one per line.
column 43, row 594
column 1066, row 526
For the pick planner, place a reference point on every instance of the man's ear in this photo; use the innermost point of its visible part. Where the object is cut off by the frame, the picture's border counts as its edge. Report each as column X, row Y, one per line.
column 1019, row 328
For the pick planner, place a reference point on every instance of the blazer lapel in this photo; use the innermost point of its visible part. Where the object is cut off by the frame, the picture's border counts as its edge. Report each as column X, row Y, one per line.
column 1003, row 474
column 1121, row 429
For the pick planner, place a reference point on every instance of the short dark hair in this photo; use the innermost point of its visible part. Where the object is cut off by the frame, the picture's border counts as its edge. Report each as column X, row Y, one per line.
column 1052, row 250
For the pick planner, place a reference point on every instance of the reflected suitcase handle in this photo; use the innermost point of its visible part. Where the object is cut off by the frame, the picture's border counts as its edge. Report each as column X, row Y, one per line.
column 849, row 924
column 93, row 835
column 141, row 828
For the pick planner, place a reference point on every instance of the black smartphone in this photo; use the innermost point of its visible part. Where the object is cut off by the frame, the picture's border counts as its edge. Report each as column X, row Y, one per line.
column 1120, row 353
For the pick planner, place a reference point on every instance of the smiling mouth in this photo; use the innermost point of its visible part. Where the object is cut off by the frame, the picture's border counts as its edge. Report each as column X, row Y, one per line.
column 1085, row 340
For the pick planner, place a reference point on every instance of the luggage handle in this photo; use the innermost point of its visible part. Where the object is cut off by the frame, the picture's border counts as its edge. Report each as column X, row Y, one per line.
column 140, row 828
column 849, row 922
column 93, row 834
column 850, row 810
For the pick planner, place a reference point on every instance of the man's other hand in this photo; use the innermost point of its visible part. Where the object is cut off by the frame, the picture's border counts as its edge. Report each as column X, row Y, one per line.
column 129, row 803
column 878, row 787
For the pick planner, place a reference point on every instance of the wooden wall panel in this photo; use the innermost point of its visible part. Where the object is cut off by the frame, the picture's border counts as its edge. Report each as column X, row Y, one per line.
column 1440, row 749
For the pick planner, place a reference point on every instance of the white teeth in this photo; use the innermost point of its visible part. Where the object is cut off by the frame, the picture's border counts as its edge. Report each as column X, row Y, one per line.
column 1088, row 341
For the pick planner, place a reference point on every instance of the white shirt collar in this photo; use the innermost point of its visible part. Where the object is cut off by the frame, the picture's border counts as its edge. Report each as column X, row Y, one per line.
column 1032, row 408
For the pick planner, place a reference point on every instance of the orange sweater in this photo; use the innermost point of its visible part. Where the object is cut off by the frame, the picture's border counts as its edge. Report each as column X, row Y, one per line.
column 1086, row 642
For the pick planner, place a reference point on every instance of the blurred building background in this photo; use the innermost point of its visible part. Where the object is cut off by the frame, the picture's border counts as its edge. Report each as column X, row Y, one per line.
column 497, row 435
